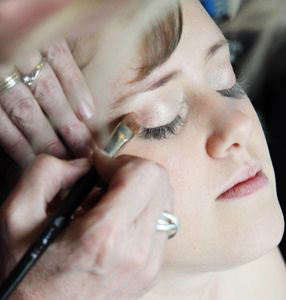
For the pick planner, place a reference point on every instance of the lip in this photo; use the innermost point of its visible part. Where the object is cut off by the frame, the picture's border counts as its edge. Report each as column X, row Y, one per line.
column 246, row 181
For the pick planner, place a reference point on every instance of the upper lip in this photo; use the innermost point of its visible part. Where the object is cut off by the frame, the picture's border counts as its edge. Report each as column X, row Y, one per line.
column 244, row 173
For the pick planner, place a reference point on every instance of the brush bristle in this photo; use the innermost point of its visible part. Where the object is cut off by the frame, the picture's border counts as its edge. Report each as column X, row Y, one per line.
column 129, row 120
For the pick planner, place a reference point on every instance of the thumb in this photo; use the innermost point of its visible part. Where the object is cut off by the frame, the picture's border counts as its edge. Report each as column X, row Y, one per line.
column 106, row 165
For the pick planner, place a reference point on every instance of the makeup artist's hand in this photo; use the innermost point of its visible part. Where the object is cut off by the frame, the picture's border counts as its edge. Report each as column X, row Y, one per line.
column 50, row 116
column 111, row 251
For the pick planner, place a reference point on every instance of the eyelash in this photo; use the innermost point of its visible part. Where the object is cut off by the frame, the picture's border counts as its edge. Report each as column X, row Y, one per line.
column 163, row 132
column 236, row 92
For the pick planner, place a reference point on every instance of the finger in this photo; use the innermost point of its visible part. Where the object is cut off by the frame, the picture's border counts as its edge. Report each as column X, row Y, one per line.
column 14, row 143
column 27, row 204
column 148, row 245
column 128, row 211
column 26, row 114
column 134, row 184
column 72, row 82
column 145, row 224
column 138, row 235
column 106, row 165
column 48, row 92
column 155, row 261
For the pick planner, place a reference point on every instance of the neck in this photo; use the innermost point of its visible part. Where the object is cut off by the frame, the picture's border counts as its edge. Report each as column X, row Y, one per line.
column 244, row 282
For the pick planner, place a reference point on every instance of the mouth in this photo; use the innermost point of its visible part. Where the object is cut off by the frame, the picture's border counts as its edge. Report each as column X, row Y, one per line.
column 246, row 181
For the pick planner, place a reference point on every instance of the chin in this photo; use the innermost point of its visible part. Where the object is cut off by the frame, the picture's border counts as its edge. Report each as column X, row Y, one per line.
column 262, row 235
column 250, row 233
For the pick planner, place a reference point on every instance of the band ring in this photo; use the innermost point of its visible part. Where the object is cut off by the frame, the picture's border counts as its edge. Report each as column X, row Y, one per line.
column 28, row 79
column 168, row 223
column 10, row 81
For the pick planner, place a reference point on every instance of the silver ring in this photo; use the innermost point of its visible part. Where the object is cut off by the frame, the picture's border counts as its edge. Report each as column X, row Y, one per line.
column 168, row 223
column 10, row 81
column 28, row 79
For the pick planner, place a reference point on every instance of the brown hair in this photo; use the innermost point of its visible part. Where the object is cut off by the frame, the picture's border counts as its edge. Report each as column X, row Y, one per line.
column 159, row 43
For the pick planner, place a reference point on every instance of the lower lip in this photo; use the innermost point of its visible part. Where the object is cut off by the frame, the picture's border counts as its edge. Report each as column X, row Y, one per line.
column 245, row 188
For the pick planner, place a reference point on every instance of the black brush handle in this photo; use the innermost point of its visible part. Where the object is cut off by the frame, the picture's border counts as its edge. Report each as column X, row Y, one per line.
column 71, row 203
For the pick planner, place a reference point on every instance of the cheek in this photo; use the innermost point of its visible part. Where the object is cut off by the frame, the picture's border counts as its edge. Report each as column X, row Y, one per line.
column 258, row 146
column 257, row 141
column 182, row 157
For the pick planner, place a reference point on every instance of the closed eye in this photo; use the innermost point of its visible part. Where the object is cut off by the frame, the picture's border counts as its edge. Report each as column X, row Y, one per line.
column 236, row 92
column 162, row 132
column 165, row 131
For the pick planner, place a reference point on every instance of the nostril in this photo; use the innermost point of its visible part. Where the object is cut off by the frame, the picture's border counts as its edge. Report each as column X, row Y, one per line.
column 234, row 145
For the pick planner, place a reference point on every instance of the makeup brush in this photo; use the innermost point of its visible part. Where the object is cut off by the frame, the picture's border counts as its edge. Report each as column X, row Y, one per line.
column 123, row 133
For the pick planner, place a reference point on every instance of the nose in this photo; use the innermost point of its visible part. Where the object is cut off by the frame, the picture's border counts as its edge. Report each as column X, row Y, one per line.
column 231, row 132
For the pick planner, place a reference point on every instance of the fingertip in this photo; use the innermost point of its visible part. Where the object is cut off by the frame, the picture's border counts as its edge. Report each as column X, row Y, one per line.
column 80, row 162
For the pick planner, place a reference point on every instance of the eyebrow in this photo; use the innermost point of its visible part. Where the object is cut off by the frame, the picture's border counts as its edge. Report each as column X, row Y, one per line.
column 159, row 43
column 212, row 51
column 163, row 81
column 216, row 47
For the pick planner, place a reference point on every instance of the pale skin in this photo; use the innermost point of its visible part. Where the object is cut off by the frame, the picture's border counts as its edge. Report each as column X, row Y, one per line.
column 219, row 135
column 221, row 246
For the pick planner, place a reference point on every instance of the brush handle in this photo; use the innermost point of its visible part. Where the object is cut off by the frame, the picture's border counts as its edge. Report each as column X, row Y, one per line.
column 73, row 200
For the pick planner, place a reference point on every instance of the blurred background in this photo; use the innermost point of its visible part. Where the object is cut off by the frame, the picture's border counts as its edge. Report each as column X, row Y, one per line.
column 256, row 30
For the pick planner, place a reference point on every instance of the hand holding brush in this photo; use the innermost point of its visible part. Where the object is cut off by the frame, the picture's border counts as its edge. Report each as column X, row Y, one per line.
column 96, row 247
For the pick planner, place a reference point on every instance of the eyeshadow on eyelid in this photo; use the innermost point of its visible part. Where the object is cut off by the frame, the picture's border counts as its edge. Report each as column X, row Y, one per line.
column 154, row 118
column 157, row 120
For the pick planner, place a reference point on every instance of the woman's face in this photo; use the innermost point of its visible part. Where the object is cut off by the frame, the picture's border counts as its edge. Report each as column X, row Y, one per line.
column 216, row 134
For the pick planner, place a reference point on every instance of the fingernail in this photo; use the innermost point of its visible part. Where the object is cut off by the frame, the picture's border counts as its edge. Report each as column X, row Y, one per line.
column 85, row 111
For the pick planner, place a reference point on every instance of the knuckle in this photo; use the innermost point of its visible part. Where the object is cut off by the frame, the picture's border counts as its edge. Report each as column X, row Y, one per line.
column 69, row 132
column 139, row 166
column 99, row 245
column 46, row 89
column 153, row 171
column 152, row 168
column 154, row 175
column 74, row 79
column 54, row 147
column 24, row 111
column 18, row 145
column 57, row 51
column 10, row 219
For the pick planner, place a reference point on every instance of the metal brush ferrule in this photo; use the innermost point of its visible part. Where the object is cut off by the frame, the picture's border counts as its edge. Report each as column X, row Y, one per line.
column 121, row 134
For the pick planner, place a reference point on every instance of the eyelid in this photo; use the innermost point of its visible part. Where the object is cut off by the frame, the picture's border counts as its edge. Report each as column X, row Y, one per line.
column 162, row 132
column 236, row 91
